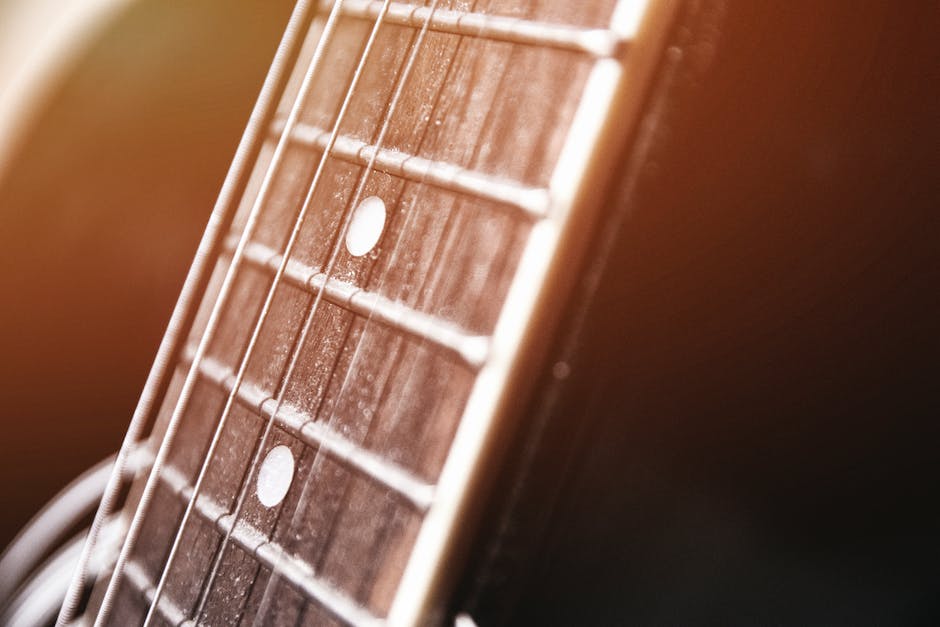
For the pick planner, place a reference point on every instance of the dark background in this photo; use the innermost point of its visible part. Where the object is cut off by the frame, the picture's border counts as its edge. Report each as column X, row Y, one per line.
column 100, row 219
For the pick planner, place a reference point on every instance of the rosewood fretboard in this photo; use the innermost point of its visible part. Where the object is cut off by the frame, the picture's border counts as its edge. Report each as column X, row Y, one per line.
column 381, row 373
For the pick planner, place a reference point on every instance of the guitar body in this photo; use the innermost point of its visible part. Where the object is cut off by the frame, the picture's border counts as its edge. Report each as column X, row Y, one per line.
column 730, row 417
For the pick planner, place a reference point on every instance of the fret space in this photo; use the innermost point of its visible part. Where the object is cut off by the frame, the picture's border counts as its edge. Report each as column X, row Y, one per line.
column 511, row 129
column 375, row 307
column 440, row 254
column 532, row 201
column 396, row 463
column 599, row 42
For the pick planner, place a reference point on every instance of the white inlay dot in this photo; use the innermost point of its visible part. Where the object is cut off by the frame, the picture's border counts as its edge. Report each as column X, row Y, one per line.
column 275, row 476
column 365, row 228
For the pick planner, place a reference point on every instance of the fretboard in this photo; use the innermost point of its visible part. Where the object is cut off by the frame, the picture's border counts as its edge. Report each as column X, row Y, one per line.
column 322, row 424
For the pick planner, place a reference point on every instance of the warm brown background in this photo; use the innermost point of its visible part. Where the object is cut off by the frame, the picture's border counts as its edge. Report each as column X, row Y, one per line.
column 100, row 217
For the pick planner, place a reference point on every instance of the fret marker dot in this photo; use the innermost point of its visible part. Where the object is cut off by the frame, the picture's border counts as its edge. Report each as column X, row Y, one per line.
column 275, row 476
column 365, row 228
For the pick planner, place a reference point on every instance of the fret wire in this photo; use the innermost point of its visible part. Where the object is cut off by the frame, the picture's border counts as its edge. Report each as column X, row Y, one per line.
column 268, row 553
column 292, row 35
column 329, row 269
column 517, row 488
column 471, row 349
column 314, row 65
column 599, row 42
column 534, row 202
column 302, row 425
column 305, row 492
column 386, row 521
column 396, row 351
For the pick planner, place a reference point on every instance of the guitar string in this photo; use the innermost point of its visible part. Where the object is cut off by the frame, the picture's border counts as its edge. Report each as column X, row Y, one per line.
column 445, row 242
column 185, row 393
column 506, row 263
column 368, row 318
column 442, row 243
column 328, row 376
column 415, row 48
column 299, row 511
column 312, row 472
column 391, row 516
column 391, row 521
column 266, row 309
column 264, row 313
column 315, row 453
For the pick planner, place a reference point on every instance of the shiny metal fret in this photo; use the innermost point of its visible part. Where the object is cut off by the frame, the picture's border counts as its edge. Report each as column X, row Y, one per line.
column 471, row 349
column 534, row 202
column 416, row 492
column 598, row 42
column 294, row 570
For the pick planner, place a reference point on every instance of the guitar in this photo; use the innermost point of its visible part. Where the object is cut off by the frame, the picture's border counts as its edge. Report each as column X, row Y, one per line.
column 364, row 401
column 442, row 265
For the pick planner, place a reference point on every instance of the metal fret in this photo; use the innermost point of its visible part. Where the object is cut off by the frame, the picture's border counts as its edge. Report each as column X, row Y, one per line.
column 293, row 569
column 534, row 202
column 382, row 471
column 471, row 349
column 597, row 42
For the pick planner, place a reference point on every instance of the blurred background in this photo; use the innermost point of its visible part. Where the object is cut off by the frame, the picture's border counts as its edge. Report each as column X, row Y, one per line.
column 120, row 119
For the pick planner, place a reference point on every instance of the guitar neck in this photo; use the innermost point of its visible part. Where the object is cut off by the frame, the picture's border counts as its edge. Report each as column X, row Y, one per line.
column 389, row 251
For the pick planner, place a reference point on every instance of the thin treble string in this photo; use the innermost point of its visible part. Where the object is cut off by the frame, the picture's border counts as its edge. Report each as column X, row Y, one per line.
column 443, row 243
column 211, row 325
column 317, row 456
column 312, row 310
column 416, row 47
column 305, row 495
column 270, row 295
column 379, row 399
